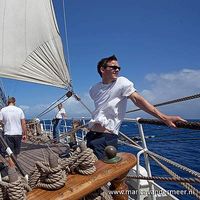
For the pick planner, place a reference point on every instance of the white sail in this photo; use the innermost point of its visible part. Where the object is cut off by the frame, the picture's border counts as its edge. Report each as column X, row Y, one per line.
column 30, row 44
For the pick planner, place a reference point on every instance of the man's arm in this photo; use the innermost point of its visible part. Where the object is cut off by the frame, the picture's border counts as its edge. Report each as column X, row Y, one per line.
column 24, row 129
column 143, row 104
column 64, row 116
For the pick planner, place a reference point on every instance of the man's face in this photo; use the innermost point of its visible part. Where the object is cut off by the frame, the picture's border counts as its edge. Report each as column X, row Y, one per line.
column 111, row 71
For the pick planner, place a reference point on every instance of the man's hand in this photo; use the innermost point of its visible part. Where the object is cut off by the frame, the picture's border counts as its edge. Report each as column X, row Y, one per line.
column 171, row 120
column 24, row 138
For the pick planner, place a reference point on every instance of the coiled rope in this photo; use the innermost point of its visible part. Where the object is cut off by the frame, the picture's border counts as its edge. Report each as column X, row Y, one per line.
column 82, row 160
column 52, row 175
column 51, row 178
column 15, row 190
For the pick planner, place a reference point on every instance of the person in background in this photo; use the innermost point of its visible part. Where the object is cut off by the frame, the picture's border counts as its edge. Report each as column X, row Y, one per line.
column 57, row 122
column 110, row 100
column 14, row 122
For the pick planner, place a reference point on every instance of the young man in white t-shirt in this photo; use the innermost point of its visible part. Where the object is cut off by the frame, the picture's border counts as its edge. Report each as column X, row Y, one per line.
column 110, row 100
column 61, row 114
column 14, row 125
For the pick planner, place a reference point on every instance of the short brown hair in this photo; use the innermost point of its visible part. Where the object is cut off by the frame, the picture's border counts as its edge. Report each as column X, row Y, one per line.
column 103, row 63
column 11, row 100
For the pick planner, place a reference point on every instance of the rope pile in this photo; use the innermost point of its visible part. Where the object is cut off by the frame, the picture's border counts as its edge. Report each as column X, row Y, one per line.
column 52, row 175
column 81, row 161
column 47, row 178
column 15, row 190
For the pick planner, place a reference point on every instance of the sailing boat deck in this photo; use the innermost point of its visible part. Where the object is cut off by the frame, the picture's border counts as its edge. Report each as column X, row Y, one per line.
column 77, row 186
column 37, row 152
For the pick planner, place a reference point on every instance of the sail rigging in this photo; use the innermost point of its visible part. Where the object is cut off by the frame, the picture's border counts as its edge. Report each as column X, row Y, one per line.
column 2, row 96
column 30, row 43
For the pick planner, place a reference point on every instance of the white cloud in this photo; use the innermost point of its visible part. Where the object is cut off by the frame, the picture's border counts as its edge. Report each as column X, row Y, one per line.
column 174, row 85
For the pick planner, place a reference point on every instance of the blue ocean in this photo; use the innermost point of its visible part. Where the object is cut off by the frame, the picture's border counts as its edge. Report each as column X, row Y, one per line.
column 179, row 145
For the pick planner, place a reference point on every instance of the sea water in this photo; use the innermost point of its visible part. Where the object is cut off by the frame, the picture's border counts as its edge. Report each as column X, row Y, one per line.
column 178, row 145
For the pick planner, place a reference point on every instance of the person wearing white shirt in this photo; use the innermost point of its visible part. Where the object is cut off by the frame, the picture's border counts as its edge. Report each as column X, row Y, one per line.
column 110, row 99
column 61, row 114
column 14, row 122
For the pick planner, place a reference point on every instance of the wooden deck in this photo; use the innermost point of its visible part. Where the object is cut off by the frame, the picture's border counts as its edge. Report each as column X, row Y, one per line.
column 30, row 153
column 77, row 186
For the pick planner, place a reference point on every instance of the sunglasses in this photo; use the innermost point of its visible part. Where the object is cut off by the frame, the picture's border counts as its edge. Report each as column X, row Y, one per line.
column 114, row 67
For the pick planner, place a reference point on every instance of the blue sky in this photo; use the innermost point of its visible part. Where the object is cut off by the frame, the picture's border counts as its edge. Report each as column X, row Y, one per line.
column 157, row 44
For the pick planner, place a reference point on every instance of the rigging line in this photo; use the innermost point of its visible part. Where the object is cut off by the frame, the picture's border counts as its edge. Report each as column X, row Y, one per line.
column 3, row 88
column 55, row 106
column 170, row 179
column 79, row 100
column 129, row 139
column 51, row 106
column 66, row 40
column 171, row 102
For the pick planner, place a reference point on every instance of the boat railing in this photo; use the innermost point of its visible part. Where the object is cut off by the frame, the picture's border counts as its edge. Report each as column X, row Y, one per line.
column 47, row 127
column 143, row 150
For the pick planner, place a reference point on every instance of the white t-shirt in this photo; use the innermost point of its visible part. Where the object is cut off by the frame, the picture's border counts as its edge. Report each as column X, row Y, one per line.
column 11, row 117
column 110, row 102
column 59, row 114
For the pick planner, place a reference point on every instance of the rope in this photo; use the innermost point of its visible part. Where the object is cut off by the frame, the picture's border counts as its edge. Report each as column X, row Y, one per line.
column 128, row 139
column 170, row 102
column 189, row 187
column 189, row 125
column 15, row 190
column 52, row 178
column 66, row 41
column 81, row 160
column 79, row 100
column 42, row 113
column 157, row 178
column 46, row 177
column 85, row 163
column 50, row 109
column 190, row 171
column 43, row 176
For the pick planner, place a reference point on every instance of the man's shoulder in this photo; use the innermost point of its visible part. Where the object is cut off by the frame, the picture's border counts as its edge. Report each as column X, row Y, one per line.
column 62, row 110
column 16, row 108
column 123, row 79
column 4, row 109
column 95, row 86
